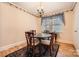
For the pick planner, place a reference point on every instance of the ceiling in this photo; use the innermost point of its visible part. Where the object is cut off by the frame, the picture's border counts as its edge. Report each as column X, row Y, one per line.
column 50, row 8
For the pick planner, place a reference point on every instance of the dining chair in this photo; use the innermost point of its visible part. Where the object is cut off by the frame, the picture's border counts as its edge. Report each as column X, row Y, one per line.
column 31, row 42
column 49, row 44
column 55, row 36
column 33, row 31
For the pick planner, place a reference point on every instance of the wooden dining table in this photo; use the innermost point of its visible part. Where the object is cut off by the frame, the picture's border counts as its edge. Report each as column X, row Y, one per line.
column 40, row 37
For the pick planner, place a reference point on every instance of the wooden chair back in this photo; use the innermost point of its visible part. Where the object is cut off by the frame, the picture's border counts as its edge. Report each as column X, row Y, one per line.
column 52, row 38
column 29, row 38
column 55, row 36
column 33, row 31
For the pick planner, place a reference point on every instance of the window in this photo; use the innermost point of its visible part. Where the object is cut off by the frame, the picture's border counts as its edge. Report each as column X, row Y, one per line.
column 53, row 23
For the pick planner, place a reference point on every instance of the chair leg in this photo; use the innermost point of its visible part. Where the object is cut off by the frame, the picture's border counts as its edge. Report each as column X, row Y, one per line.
column 50, row 51
column 33, row 51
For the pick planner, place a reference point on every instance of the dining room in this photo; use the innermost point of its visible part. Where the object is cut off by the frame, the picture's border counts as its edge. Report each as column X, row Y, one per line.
column 39, row 29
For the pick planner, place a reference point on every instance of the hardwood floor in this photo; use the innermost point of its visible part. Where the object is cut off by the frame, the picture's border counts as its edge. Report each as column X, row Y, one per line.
column 65, row 50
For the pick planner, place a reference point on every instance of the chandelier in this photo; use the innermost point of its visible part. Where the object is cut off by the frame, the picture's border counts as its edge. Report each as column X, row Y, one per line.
column 40, row 10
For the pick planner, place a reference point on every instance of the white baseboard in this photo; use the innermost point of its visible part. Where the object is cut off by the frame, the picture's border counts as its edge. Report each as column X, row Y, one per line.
column 11, row 45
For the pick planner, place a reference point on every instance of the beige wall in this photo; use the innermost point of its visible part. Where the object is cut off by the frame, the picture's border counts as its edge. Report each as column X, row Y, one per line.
column 76, row 27
column 38, row 25
column 66, row 36
column 13, row 24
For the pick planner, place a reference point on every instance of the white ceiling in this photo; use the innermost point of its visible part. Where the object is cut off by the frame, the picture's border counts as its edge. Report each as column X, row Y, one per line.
column 49, row 8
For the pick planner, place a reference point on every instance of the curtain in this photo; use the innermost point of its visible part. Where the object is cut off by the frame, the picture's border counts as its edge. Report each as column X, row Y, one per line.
column 53, row 23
